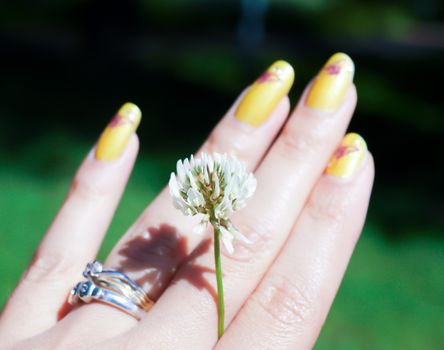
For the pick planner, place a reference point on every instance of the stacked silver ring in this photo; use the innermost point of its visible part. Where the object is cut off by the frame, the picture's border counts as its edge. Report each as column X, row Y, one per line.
column 111, row 287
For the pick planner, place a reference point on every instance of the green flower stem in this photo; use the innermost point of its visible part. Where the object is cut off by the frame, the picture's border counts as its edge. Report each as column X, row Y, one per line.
column 220, row 287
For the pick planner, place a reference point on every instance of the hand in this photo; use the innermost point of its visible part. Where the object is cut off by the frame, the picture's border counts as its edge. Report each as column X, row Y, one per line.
column 308, row 211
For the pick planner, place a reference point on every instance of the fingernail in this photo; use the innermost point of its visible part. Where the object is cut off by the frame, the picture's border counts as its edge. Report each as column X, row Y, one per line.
column 348, row 156
column 331, row 84
column 266, row 92
column 116, row 135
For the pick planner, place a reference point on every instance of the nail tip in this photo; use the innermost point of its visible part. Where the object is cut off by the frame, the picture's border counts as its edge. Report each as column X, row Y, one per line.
column 129, row 106
column 343, row 56
column 133, row 111
column 355, row 137
column 286, row 66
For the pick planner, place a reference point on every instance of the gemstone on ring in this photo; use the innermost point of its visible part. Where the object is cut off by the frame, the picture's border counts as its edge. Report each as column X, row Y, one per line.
column 93, row 269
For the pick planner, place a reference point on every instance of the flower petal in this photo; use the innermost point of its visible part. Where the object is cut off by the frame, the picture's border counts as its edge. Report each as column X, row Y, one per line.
column 227, row 239
column 201, row 227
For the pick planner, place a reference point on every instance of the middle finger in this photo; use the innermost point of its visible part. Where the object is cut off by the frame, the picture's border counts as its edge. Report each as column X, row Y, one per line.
column 162, row 237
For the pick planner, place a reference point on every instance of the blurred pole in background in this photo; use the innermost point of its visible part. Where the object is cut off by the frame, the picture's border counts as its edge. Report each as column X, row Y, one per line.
column 251, row 28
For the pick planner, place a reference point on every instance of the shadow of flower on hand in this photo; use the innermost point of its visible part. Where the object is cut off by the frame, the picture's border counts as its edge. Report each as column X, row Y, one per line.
column 195, row 274
column 153, row 258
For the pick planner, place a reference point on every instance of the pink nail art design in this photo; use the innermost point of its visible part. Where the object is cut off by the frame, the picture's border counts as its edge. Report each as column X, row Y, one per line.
column 334, row 68
column 344, row 150
column 120, row 120
column 116, row 121
column 269, row 76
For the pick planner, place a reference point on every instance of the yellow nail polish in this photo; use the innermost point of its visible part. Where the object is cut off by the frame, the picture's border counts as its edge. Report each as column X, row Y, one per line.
column 266, row 92
column 331, row 84
column 116, row 135
column 348, row 156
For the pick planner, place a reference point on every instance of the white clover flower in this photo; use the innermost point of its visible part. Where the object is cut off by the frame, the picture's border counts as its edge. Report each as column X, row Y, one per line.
column 214, row 186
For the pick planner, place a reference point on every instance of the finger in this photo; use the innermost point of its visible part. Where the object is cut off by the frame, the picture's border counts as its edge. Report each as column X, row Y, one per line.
column 285, row 179
column 288, row 308
column 161, row 238
column 76, row 233
column 247, row 131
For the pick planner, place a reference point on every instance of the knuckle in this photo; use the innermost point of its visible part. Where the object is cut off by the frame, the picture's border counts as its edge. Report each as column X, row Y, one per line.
column 328, row 207
column 48, row 268
column 297, row 142
column 86, row 188
column 241, row 145
column 285, row 302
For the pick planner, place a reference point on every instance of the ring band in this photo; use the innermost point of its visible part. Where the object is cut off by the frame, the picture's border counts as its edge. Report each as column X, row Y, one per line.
column 87, row 291
column 118, row 282
column 111, row 287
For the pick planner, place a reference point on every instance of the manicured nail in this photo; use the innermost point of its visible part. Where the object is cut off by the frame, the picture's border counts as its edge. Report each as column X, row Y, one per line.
column 348, row 156
column 331, row 84
column 266, row 92
column 116, row 135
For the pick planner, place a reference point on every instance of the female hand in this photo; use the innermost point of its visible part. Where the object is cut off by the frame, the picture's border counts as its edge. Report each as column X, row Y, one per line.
column 308, row 211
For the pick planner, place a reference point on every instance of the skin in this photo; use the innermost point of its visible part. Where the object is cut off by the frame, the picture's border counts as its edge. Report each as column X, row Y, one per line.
column 278, row 291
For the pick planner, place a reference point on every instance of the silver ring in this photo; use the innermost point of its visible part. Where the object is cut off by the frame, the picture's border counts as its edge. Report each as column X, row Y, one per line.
column 118, row 282
column 113, row 288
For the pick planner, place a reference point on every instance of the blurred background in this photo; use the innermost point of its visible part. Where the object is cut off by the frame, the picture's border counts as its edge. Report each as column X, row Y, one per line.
column 67, row 66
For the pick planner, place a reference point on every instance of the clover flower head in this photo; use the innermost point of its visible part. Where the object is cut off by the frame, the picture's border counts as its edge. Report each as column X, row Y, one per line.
column 214, row 186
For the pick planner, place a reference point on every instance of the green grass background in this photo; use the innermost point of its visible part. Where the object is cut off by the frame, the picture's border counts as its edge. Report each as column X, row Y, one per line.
column 391, row 297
